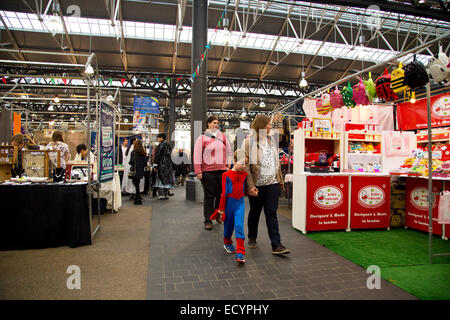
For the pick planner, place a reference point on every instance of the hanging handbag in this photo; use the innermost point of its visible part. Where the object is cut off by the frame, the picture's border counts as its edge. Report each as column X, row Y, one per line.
column 336, row 99
column 359, row 93
column 383, row 87
column 416, row 75
column 437, row 67
column 347, row 95
column 398, row 80
column 371, row 91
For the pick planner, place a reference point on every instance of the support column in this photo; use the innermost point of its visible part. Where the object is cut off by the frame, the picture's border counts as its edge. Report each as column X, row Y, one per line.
column 172, row 113
column 5, row 125
column 199, row 85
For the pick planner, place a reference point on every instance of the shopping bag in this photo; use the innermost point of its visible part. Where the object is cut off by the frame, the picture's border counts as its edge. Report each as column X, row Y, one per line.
column 444, row 208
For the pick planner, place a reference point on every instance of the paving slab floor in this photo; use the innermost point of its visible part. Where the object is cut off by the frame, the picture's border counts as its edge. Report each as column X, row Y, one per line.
column 188, row 262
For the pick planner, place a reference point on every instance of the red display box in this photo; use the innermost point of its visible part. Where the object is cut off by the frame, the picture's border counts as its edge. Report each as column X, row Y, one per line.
column 356, row 136
column 354, row 126
column 370, row 202
column 417, row 205
column 327, row 203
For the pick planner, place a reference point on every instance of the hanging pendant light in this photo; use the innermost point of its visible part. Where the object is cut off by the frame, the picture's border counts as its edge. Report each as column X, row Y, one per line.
column 303, row 82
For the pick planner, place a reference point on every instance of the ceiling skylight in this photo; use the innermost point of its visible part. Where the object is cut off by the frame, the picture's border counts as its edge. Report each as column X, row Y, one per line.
column 160, row 32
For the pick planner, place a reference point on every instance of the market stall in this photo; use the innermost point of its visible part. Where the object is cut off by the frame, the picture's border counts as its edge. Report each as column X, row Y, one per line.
column 44, row 215
column 42, row 206
column 342, row 180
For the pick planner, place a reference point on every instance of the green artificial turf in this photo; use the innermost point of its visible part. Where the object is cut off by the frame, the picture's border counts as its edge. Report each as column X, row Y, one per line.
column 401, row 254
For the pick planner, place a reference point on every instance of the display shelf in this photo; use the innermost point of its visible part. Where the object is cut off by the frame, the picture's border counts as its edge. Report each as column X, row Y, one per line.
column 366, row 160
column 434, row 140
column 332, row 142
column 8, row 156
column 437, row 135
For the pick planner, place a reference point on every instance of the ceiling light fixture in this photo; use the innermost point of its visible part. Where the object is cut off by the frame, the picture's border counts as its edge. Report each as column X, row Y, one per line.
column 303, row 82
column 243, row 115
column 188, row 101
column 54, row 24
column 56, row 99
column 361, row 50
column 89, row 69
column 262, row 104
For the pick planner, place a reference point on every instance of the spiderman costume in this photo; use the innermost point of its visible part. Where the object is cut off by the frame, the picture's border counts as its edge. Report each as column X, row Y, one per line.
column 233, row 205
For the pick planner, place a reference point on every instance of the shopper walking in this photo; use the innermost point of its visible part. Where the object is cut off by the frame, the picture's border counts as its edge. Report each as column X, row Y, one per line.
column 232, row 206
column 181, row 167
column 163, row 166
column 212, row 157
column 263, row 182
column 57, row 143
column 138, row 160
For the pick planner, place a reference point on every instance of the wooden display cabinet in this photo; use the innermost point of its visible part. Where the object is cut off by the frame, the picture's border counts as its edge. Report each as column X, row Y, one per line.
column 363, row 151
column 8, row 157
column 36, row 162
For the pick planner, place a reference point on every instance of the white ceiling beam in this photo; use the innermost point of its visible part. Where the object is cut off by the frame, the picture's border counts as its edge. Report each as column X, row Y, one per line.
column 266, row 64
column 181, row 9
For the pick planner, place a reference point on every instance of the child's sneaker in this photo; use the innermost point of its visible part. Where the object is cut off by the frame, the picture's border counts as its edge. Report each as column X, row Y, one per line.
column 229, row 248
column 240, row 258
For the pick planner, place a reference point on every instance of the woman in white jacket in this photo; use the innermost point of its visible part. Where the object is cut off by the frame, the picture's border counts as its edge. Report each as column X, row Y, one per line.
column 127, row 183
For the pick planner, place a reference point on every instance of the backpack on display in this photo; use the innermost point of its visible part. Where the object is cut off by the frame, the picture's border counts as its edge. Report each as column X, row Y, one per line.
column 371, row 91
column 438, row 68
column 326, row 102
column 336, row 99
column 398, row 80
column 347, row 95
column 319, row 106
column 383, row 86
column 359, row 93
column 416, row 75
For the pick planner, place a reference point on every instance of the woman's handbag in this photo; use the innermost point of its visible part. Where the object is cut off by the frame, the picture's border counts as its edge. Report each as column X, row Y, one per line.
column 132, row 172
column 58, row 174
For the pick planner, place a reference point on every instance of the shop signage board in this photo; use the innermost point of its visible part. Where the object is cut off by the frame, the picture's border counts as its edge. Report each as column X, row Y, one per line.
column 417, row 205
column 106, row 172
column 327, row 203
column 411, row 116
column 370, row 202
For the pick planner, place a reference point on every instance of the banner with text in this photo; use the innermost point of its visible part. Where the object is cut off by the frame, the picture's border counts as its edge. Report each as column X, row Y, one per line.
column 327, row 203
column 143, row 109
column 106, row 172
column 417, row 216
column 370, row 205
column 411, row 116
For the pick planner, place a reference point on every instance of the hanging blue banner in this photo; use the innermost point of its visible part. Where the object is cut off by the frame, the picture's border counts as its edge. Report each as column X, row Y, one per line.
column 143, row 108
column 106, row 172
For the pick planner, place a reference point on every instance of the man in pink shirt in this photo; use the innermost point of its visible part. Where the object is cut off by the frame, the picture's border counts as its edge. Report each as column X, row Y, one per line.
column 212, row 157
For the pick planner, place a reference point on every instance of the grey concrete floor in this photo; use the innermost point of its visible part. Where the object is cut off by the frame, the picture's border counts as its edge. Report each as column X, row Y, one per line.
column 188, row 262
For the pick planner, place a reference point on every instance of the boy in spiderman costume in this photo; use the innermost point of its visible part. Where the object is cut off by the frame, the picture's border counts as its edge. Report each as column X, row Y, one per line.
column 232, row 207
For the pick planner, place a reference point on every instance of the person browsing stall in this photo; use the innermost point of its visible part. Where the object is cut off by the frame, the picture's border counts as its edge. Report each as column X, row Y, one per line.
column 57, row 143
